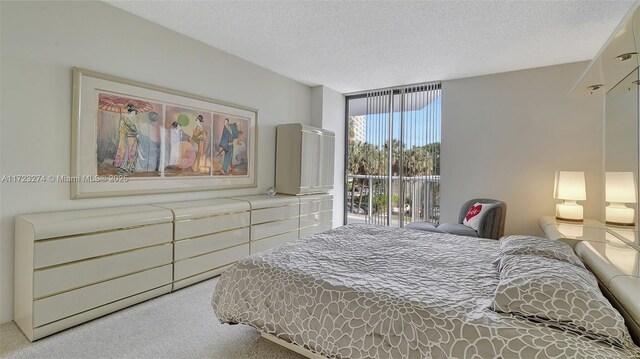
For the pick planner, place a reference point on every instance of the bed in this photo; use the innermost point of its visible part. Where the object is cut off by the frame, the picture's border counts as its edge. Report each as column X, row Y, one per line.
column 363, row 291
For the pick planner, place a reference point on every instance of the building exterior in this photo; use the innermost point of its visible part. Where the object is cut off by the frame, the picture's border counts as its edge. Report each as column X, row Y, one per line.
column 358, row 128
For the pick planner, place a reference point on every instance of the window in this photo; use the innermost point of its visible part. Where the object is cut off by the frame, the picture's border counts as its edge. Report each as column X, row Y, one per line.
column 393, row 156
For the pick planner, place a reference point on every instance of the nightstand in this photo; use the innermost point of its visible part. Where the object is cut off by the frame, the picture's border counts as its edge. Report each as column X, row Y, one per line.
column 573, row 232
column 611, row 253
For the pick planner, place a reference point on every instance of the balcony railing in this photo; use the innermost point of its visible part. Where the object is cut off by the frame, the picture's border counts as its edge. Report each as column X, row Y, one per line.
column 372, row 199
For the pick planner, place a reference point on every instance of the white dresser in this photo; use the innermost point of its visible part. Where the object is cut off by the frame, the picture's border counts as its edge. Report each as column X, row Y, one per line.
column 74, row 266
column 273, row 220
column 316, row 214
column 209, row 235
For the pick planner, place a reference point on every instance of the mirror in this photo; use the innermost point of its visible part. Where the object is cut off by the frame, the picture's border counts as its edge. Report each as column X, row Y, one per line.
column 620, row 57
column 621, row 152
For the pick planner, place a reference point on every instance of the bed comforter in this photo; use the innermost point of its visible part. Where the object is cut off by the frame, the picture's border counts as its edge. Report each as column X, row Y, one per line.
column 363, row 291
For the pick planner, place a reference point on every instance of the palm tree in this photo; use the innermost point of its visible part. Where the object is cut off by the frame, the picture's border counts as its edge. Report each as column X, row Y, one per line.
column 416, row 162
column 363, row 159
column 396, row 147
column 350, row 131
column 367, row 159
column 433, row 149
column 354, row 164
column 372, row 166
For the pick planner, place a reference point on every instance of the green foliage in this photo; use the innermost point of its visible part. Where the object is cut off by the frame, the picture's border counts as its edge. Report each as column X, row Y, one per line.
column 367, row 159
column 380, row 203
column 394, row 200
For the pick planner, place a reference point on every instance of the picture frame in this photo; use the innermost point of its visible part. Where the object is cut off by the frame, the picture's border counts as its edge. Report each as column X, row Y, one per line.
column 133, row 138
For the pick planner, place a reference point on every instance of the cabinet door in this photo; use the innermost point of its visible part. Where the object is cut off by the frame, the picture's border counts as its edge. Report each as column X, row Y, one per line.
column 326, row 161
column 311, row 160
column 317, row 161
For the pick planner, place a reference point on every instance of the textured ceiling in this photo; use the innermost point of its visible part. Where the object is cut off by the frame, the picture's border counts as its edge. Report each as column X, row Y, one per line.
column 360, row 45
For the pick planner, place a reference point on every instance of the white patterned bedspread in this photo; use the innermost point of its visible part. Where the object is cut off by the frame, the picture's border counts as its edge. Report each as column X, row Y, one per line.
column 363, row 291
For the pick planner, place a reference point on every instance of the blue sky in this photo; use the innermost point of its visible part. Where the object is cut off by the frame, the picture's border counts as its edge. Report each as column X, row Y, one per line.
column 415, row 128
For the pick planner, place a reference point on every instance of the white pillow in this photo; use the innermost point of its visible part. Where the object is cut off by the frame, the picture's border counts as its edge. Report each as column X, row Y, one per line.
column 536, row 246
column 560, row 295
column 475, row 214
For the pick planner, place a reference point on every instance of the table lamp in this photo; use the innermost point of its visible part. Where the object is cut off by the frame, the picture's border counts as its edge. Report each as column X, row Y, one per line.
column 620, row 188
column 569, row 187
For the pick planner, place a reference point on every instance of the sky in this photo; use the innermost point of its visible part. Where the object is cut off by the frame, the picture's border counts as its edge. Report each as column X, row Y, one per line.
column 416, row 124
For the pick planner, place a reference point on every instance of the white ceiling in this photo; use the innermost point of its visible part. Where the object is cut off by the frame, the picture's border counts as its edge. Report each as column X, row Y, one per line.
column 360, row 45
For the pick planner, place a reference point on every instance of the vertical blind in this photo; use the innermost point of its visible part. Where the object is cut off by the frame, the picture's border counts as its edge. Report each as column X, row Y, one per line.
column 393, row 155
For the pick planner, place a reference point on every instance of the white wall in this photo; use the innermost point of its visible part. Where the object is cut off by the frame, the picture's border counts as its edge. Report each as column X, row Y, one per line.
column 317, row 93
column 505, row 135
column 42, row 41
column 328, row 112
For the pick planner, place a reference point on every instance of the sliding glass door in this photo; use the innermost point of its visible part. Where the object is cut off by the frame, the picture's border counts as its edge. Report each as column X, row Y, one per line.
column 393, row 156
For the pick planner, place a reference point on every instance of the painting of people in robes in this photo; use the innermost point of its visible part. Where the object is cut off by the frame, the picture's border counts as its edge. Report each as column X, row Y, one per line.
column 187, row 142
column 128, row 136
column 230, row 145
column 135, row 138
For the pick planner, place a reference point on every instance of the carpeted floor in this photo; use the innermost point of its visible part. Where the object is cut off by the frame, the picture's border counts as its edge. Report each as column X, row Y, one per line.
column 177, row 325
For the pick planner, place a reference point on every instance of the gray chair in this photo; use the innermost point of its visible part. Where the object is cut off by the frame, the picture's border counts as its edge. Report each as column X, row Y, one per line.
column 491, row 223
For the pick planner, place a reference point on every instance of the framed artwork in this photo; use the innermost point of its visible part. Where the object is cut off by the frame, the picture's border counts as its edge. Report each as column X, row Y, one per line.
column 132, row 138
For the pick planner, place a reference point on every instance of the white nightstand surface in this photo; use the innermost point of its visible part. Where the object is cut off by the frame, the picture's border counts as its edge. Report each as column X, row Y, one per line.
column 610, row 251
column 572, row 232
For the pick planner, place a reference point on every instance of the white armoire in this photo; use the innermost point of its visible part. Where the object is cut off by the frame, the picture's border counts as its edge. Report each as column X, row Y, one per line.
column 304, row 159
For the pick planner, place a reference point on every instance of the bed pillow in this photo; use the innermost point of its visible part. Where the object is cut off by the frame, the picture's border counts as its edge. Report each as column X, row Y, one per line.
column 560, row 295
column 475, row 214
column 537, row 246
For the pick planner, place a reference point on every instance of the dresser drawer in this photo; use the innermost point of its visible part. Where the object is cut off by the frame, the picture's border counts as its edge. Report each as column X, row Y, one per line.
column 315, row 218
column 196, row 246
column 68, row 249
column 70, row 303
column 199, row 277
column 308, row 231
column 202, row 226
column 316, row 206
column 78, row 274
column 272, row 228
column 268, row 243
column 203, row 263
column 68, row 322
column 274, row 213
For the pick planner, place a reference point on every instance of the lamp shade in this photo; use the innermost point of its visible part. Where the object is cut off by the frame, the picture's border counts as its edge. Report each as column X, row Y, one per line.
column 620, row 187
column 570, row 185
